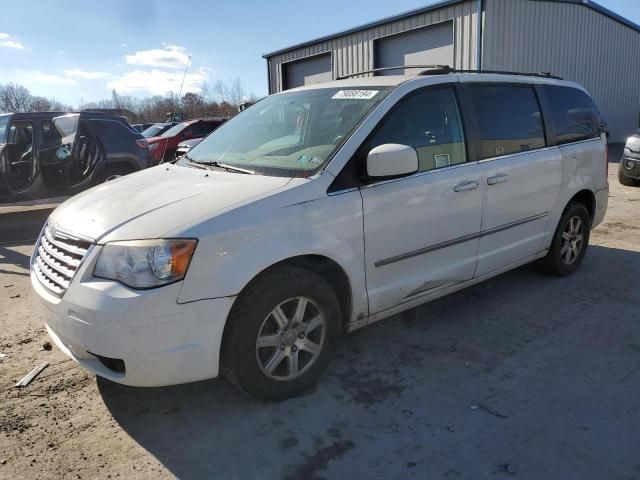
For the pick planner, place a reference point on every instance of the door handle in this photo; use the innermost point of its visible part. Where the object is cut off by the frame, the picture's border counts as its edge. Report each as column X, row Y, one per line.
column 466, row 185
column 497, row 178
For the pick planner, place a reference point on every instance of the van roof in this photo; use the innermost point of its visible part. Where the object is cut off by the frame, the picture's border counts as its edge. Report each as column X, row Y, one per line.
column 395, row 80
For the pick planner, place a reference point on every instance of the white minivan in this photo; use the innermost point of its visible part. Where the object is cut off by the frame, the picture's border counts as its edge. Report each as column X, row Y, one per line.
column 315, row 212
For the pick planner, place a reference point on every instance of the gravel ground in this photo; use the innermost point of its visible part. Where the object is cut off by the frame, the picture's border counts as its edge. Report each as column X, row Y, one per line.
column 523, row 376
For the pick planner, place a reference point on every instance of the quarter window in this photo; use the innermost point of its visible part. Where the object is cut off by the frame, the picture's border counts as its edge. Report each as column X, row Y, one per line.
column 428, row 121
column 575, row 116
column 509, row 119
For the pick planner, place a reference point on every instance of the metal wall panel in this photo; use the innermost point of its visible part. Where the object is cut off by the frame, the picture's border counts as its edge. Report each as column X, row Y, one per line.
column 354, row 52
column 422, row 46
column 575, row 42
column 310, row 70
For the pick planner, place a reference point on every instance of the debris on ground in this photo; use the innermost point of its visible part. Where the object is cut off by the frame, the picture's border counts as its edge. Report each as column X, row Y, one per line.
column 489, row 410
column 17, row 295
column 2, row 355
column 47, row 346
column 10, row 285
column 26, row 380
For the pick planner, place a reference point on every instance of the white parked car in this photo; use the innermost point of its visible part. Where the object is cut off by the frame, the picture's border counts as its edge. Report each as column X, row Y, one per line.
column 315, row 212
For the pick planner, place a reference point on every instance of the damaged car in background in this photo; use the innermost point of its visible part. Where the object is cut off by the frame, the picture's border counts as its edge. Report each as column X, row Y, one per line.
column 163, row 148
column 629, row 169
column 55, row 153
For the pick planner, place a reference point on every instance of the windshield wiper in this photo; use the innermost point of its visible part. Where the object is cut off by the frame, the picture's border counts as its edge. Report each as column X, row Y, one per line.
column 229, row 168
column 191, row 162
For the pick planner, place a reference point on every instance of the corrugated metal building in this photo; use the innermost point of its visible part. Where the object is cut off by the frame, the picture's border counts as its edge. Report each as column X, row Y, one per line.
column 576, row 39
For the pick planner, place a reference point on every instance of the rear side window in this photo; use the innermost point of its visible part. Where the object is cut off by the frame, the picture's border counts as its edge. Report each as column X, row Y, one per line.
column 575, row 116
column 111, row 131
column 4, row 123
column 428, row 121
column 509, row 119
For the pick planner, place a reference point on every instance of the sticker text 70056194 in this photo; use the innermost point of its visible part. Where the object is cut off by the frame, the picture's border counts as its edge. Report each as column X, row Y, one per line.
column 355, row 94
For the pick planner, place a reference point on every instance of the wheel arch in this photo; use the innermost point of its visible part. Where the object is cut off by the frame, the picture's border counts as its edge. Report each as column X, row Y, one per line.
column 330, row 270
column 587, row 198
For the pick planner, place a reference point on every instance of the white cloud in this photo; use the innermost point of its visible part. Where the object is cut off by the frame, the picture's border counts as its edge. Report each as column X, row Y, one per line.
column 123, row 45
column 157, row 82
column 171, row 56
column 35, row 77
column 76, row 72
column 9, row 42
column 12, row 44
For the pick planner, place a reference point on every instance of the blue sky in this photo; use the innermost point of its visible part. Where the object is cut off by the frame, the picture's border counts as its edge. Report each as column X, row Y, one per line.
column 78, row 51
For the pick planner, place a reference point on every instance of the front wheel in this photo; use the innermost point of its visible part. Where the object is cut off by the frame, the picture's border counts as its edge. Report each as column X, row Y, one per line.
column 624, row 180
column 570, row 241
column 281, row 334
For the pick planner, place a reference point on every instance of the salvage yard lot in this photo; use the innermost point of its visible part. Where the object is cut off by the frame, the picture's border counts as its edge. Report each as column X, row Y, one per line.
column 523, row 376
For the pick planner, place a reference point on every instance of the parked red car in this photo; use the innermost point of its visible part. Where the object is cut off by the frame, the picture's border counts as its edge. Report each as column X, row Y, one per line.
column 163, row 148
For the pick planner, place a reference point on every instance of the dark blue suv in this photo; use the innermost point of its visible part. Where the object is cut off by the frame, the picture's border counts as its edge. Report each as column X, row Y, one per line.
column 55, row 153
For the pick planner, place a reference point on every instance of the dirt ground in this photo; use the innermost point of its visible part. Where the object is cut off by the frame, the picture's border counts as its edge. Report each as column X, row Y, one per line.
column 524, row 376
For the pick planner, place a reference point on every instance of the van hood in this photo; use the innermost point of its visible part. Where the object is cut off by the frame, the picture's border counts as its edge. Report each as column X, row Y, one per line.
column 150, row 203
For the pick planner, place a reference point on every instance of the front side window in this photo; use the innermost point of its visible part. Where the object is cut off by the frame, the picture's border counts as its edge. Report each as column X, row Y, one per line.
column 428, row 121
column 575, row 116
column 289, row 134
column 509, row 119
column 64, row 126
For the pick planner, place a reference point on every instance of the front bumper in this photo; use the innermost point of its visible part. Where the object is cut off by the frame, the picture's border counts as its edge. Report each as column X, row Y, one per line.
column 630, row 165
column 160, row 341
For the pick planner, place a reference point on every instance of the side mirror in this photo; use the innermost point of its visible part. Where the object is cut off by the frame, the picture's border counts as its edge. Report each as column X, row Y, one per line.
column 392, row 159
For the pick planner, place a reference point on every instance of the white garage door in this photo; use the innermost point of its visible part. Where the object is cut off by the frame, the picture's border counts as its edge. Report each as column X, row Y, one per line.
column 431, row 45
column 305, row 72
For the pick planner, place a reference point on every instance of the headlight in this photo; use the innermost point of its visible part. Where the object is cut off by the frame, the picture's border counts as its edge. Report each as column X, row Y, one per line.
column 633, row 143
column 153, row 146
column 145, row 263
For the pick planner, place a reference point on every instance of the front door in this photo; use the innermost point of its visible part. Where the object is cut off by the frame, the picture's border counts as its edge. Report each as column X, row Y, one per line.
column 521, row 175
column 71, row 153
column 18, row 160
column 421, row 231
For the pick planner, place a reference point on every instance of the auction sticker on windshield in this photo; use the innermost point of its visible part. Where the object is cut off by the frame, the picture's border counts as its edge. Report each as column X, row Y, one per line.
column 355, row 94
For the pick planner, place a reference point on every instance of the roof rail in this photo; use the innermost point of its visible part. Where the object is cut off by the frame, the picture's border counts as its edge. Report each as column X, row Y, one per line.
column 447, row 69
column 387, row 69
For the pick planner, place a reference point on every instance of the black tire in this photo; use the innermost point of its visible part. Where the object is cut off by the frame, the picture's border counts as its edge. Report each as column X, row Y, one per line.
column 251, row 312
column 555, row 262
column 624, row 180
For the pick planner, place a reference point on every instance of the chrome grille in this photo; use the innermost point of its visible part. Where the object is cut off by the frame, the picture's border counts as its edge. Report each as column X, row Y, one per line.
column 57, row 257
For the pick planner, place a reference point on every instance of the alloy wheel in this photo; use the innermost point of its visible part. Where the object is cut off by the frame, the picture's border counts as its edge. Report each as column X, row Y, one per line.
column 572, row 240
column 290, row 338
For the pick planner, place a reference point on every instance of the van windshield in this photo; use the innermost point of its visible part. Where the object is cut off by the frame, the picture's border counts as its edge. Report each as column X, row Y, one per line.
column 289, row 134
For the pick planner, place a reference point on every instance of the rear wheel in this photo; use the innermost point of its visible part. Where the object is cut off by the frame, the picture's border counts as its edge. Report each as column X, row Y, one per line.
column 624, row 180
column 570, row 241
column 281, row 334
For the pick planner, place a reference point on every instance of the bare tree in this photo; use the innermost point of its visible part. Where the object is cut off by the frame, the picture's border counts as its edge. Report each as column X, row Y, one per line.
column 219, row 99
column 14, row 98
column 236, row 92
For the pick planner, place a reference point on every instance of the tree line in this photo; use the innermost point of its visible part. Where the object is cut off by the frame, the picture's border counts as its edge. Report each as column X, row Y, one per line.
column 221, row 99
